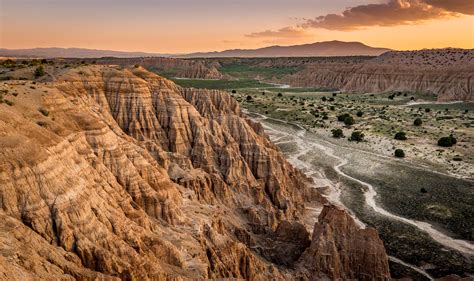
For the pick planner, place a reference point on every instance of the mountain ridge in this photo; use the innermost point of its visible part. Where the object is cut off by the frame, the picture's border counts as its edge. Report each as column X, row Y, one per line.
column 55, row 52
column 324, row 48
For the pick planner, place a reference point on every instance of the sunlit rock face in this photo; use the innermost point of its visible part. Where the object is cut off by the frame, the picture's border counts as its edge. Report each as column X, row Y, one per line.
column 445, row 73
column 129, row 176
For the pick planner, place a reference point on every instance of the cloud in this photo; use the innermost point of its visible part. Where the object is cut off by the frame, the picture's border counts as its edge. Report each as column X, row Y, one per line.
column 391, row 13
column 458, row 6
column 395, row 12
column 289, row 32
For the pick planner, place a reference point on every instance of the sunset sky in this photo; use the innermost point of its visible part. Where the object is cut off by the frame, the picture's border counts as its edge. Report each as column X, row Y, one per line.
column 180, row 26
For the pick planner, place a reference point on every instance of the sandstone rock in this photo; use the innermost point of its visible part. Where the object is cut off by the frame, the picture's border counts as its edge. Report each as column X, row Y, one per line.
column 446, row 73
column 341, row 250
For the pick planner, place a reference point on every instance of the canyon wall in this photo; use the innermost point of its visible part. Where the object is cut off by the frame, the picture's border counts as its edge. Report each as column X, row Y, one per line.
column 447, row 74
column 182, row 68
column 110, row 173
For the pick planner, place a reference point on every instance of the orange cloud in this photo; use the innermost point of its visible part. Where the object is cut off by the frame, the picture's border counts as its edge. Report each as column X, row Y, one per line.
column 392, row 13
column 459, row 6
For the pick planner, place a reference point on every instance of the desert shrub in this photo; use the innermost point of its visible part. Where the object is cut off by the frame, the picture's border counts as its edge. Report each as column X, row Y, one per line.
column 447, row 141
column 39, row 71
column 457, row 158
column 249, row 98
column 400, row 136
column 359, row 113
column 324, row 99
column 43, row 111
column 423, row 190
column 349, row 120
column 280, row 95
column 342, row 117
column 334, row 94
column 331, row 99
column 418, row 122
column 41, row 123
column 337, row 133
column 357, row 136
column 427, row 110
column 332, row 108
column 234, row 91
column 399, row 153
column 136, row 66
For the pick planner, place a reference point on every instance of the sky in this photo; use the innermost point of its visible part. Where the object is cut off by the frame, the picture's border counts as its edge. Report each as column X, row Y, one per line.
column 183, row 26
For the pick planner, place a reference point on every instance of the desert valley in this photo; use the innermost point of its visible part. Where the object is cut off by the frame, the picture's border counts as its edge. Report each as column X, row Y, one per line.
column 273, row 156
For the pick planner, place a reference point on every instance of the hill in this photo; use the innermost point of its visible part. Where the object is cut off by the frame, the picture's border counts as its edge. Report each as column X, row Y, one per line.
column 319, row 49
column 72, row 53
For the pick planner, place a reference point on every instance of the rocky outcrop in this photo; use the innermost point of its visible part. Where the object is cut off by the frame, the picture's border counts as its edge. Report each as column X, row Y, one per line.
column 123, row 174
column 447, row 74
column 343, row 251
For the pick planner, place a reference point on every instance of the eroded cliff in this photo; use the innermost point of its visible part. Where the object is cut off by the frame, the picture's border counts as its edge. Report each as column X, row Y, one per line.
column 445, row 73
column 119, row 173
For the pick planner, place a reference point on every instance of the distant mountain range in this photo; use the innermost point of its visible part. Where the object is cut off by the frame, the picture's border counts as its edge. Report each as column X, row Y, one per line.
column 319, row 49
column 73, row 53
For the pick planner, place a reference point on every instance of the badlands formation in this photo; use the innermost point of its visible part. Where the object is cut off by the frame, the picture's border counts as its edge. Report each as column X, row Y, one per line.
column 111, row 173
column 446, row 73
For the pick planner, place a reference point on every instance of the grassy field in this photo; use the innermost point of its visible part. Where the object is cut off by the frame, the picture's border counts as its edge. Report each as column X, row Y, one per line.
column 220, row 84
column 249, row 71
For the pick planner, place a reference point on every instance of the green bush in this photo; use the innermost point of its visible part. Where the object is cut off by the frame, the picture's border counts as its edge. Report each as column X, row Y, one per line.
column 349, row 120
column 359, row 113
column 400, row 136
column 342, row 117
column 337, row 133
column 447, row 141
column 39, row 71
column 43, row 111
column 418, row 122
column 357, row 136
column 399, row 153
